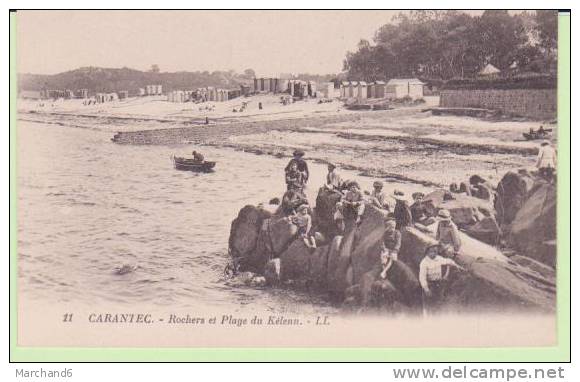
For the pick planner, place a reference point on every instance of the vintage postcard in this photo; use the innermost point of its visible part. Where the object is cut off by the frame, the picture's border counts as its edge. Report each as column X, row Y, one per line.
column 288, row 179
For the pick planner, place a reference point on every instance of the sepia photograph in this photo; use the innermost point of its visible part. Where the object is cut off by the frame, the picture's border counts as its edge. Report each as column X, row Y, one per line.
column 269, row 178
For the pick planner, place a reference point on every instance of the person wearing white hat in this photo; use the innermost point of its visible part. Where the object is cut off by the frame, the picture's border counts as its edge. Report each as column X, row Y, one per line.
column 448, row 234
column 546, row 162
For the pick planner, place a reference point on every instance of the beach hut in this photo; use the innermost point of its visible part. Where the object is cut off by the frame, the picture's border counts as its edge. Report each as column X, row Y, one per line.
column 379, row 89
column 362, row 90
column 398, row 88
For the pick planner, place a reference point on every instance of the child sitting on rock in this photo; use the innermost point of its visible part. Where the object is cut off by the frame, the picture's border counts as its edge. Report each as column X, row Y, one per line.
column 303, row 221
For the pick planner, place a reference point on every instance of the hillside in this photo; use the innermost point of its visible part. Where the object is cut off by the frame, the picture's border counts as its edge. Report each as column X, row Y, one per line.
column 113, row 79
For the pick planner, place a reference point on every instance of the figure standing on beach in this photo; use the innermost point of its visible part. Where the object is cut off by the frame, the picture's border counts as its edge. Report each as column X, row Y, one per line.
column 301, row 164
column 546, row 162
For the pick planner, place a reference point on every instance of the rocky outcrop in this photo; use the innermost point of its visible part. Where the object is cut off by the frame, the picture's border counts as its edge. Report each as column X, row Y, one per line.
column 346, row 266
column 512, row 192
column 533, row 230
column 465, row 210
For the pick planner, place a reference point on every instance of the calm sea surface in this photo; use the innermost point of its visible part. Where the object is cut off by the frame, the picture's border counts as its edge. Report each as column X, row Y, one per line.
column 87, row 206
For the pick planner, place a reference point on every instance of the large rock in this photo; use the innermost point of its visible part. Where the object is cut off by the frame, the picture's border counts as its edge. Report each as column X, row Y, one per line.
column 369, row 235
column 533, row 230
column 244, row 233
column 491, row 278
column 324, row 212
column 486, row 230
column 339, row 262
column 465, row 210
column 512, row 192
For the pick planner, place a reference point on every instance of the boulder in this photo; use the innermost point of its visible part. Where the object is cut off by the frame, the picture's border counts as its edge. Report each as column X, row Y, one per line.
column 465, row 210
column 512, row 192
column 369, row 235
column 486, row 230
column 533, row 230
column 295, row 261
column 272, row 272
column 244, row 233
column 338, row 263
column 324, row 212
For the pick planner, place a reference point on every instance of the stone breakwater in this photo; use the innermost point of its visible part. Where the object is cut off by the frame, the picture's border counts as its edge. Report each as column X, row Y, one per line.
column 265, row 244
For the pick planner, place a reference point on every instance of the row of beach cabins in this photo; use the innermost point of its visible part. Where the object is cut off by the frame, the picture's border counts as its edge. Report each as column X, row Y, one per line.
column 360, row 90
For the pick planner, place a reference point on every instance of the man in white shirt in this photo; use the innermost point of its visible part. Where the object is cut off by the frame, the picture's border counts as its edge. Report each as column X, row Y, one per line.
column 546, row 162
column 433, row 272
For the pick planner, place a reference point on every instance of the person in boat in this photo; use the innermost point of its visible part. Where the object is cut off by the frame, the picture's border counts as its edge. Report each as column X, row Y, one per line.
column 198, row 157
column 546, row 162
column 541, row 130
column 303, row 221
column 302, row 166
column 295, row 179
column 447, row 234
column 402, row 211
column 419, row 212
column 433, row 275
column 378, row 197
column 333, row 179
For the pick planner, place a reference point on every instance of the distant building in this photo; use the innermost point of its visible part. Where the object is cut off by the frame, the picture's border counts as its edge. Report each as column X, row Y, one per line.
column 123, row 94
column 81, row 93
column 30, row 94
column 327, row 90
column 404, row 87
column 141, row 92
column 154, row 90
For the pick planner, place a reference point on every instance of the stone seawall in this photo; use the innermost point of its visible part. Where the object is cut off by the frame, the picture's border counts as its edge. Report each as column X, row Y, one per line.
column 532, row 103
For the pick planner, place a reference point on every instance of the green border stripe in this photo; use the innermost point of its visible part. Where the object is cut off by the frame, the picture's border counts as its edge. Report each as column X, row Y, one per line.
column 559, row 353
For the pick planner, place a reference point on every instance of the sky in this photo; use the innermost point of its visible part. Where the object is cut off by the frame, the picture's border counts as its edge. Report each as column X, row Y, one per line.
column 270, row 42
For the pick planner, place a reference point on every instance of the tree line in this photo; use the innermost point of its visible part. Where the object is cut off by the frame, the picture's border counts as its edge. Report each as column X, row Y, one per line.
column 454, row 44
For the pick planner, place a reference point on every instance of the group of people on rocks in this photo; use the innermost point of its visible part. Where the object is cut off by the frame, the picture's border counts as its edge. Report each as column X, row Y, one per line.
column 349, row 211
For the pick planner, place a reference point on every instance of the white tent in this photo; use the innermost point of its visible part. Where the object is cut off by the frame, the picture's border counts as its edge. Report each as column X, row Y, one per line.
column 489, row 70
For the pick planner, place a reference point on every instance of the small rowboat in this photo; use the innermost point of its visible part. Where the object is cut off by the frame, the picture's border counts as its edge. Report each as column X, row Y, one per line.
column 188, row 164
column 534, row 135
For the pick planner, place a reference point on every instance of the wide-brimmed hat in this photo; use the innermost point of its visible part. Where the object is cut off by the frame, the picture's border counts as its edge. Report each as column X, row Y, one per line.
column 444, row 214
column 416, row 195
column 331, row 165
column 298, row 153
